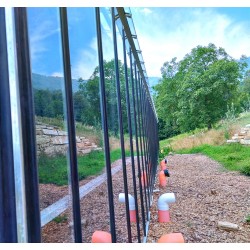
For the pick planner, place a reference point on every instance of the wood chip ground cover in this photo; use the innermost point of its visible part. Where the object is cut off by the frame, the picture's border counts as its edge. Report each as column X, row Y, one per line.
column 205, row 194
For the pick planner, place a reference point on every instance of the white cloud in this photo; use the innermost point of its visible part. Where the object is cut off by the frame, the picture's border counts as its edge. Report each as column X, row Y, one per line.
column 88, row 58
column 173, row 32
column 146, row 11
column 86, row 62
column 38, row 37
column 57, row 74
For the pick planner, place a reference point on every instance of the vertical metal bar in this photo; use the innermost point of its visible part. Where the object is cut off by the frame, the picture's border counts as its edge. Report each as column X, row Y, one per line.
column 16, row 128
column 144, row 139
column 144, row 136
column 150, row 146
column 8, row 224
column 153, row 149
column 105, row 126
column 158, row 143
column 137, row 143
column 28, row 126
column 140, row 138
column 119, row 106
column 131, row 137
column 71, row 127
column 142, row 102
column 147, row 130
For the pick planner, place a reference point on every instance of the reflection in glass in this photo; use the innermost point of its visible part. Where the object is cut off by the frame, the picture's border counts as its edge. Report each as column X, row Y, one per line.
column 85, row 69
column 16, row 133
column 51, row 130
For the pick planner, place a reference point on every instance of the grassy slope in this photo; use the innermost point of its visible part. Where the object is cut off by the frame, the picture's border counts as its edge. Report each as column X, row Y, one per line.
column 55, row 169
column 234, row 157
column 212, row 143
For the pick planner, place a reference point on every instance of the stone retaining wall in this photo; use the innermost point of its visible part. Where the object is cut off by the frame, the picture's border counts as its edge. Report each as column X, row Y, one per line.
column 52, row 141
column 243, row 137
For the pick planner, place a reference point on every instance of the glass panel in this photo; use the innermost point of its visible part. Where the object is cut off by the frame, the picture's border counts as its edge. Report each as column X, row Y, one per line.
column 91, row 161
column 129, row 176
column 114, row 131
column 133, row 180
column 16, row 132
column 51, row 130
column 140, row 145
column 122, row 84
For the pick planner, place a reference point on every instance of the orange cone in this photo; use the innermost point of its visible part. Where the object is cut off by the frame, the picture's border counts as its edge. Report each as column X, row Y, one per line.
column 163, row 163
column 171, row 238
column 144, row 177
column 162, row 179
column 163, row 166
column 163, row 216
column 132, row 214
column 101, row 237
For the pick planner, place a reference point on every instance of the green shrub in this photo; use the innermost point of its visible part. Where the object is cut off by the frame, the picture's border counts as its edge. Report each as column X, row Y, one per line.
column 226, row 134
column 164, row 151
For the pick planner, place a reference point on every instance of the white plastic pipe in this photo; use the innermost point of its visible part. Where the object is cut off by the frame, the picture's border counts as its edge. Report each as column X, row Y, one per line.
column 163, row 206
column 131, row 200
column 164, row 200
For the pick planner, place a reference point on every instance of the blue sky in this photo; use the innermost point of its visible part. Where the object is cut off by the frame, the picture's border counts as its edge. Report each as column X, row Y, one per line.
column 45, row 41
column 163, row 33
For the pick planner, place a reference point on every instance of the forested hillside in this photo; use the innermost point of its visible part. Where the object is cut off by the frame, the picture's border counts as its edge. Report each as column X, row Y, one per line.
column 49, row 97
column 51, row 82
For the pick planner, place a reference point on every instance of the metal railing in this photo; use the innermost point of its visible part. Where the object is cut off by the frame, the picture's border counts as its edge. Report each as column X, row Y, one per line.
column 140, row 117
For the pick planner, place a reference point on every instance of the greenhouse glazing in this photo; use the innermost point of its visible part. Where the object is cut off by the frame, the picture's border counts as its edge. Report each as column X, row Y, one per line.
column 73, row 84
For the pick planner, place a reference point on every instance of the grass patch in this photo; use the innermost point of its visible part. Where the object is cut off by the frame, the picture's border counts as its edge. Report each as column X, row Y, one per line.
column 55, row 169
column 60, row 219
column 53, row 121
column 234, row 157
column 222, row 131
column 247, row 219
column 187, row 141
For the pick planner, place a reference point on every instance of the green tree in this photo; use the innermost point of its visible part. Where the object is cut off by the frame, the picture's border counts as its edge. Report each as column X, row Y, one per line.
column 48, row 103
column 87, row 99
column 195, row 92
column 244, row 98
column 81, row 108
column 165, row 99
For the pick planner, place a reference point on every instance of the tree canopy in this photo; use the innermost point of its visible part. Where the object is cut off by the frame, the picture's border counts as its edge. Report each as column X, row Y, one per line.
column 196, row 91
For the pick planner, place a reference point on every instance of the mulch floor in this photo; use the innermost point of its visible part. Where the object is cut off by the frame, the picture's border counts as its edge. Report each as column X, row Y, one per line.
column 205, row 194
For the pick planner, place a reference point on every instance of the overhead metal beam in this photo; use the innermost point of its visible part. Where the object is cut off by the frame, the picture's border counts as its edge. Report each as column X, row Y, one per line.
column 123, row 17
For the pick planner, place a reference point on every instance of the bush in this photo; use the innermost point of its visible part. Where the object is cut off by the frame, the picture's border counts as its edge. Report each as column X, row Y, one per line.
column 164, row 151
column 226, row 134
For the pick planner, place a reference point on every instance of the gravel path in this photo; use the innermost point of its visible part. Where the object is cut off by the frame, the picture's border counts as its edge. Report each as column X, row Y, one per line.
column 205, row 194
